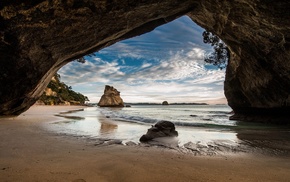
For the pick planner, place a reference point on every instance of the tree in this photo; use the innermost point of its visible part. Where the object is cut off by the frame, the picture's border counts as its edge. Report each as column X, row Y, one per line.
column 81, row 60
column 63, row 93
column 221, row 55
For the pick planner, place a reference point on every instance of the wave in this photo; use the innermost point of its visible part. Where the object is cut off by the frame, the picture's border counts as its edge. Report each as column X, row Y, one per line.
column 220, row 112
column 123, row 117
column 219, row 115
column 183, row 124
column 211, row 121
column 205, row 125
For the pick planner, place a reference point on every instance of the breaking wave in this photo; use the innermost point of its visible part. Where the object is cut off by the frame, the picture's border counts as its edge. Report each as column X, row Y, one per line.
column 178, row 117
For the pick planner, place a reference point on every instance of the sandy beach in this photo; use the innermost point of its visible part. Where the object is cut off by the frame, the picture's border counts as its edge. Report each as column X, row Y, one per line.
column 30, row 153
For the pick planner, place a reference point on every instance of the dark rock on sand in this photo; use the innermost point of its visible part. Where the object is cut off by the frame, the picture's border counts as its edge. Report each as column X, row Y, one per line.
column 115, row 141
column 192, row 115
column 130, row 143
column 111, row 98
column 160, row 129
column 99, row 142
column 191, row 146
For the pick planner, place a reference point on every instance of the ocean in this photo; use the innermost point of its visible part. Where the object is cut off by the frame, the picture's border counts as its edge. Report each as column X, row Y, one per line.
column 202, row 129
column 194, row 123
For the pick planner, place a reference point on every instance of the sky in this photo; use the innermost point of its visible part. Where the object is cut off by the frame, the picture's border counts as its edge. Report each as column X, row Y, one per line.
column 164, row 64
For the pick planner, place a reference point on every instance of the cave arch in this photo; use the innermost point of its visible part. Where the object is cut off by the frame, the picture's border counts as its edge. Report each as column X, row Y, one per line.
column 38, row 38
column 152, row 67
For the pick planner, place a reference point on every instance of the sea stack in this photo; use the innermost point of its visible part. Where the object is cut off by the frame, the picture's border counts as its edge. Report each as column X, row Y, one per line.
column 111, row 98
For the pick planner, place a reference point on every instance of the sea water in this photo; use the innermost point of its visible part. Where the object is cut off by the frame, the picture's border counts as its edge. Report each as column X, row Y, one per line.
column 180, row 115
column 194, row 123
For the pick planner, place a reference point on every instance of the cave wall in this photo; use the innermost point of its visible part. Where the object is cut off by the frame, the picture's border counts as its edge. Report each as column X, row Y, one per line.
column 257, row 84
column 39, row 37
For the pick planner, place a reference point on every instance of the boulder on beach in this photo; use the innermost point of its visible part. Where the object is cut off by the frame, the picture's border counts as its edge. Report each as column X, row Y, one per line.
column 111, row 98
column 165, row 103
column 160, row 129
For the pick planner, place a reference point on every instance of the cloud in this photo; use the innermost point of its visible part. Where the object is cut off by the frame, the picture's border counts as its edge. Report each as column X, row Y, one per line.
column 88, row 72
column 182, row 65
column 172, row 92
column 145, row 65
column 166, row 64
column 181, row 34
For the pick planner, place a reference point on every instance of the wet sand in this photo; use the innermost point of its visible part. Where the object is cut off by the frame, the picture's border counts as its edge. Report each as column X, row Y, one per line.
column 30, row 153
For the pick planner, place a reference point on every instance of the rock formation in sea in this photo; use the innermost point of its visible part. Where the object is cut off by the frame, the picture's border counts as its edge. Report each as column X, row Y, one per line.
column 111, row 98
column 165, row 103
column 160, row 129
column 39, row 37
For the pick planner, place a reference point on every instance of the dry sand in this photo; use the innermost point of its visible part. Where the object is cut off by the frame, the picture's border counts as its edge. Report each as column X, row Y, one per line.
column 30, row 153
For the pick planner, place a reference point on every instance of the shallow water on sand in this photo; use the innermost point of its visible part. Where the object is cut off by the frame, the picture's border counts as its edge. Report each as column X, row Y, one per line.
column 200, row 124
column 129, row 124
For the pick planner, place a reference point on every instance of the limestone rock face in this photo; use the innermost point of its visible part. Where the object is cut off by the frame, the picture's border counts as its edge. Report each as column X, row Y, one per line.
column 39, row 37
column 111, row 98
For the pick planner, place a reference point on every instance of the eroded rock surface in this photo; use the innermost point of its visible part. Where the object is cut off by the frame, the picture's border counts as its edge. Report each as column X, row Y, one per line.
column 37, row 38
column 111, row 98
column 257, row 84
column 160, row 129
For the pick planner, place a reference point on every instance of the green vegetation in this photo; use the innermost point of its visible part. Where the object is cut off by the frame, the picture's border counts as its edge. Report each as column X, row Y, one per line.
column 58, row 93
column 221, row 55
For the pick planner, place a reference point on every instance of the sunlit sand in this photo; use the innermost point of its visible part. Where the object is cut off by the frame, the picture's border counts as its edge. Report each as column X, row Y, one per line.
column 31, row 152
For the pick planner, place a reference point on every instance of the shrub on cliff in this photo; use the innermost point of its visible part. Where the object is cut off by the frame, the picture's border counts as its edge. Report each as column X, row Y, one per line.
column 220, row 56
column 58, row 93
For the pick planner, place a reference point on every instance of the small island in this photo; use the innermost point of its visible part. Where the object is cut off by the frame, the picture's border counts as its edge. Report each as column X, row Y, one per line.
column 165, row 103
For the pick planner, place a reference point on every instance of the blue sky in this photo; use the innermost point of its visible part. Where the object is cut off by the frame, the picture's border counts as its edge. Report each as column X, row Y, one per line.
column 165, row 64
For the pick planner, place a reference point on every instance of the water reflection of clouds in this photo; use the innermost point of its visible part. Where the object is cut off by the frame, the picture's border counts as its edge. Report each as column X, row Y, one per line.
column 96, row 124
column 204, row 136
column 243, row 135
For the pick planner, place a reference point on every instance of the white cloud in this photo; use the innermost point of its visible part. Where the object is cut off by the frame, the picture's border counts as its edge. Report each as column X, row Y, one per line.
column 181, row 78
column 179, row 66
column 162, row 65
column 88, row 72
column 145, row 65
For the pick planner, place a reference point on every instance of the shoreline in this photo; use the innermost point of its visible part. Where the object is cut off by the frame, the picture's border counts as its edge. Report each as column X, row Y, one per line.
column 30, row 153
column 202, row 141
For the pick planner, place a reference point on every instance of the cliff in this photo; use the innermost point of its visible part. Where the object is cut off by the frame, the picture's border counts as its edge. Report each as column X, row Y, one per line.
column 39, row 37
column 58, row 93
column 257, row 84
column 111, row 98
